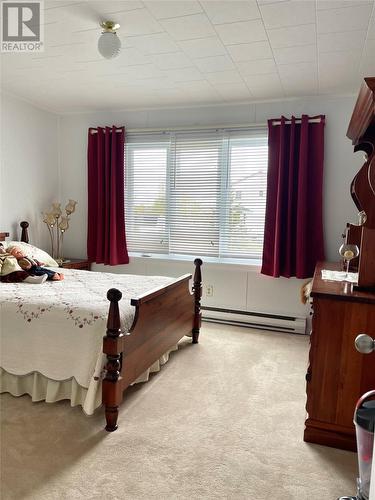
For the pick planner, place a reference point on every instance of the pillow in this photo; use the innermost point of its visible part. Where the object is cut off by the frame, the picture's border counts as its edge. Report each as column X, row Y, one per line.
column 34, row 253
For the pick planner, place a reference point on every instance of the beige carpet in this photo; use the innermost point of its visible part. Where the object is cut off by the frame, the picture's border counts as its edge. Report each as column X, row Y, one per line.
column 222, row 420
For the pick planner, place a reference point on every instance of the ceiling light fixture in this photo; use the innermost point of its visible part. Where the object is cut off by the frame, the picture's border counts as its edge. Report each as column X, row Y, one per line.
column 109, row 44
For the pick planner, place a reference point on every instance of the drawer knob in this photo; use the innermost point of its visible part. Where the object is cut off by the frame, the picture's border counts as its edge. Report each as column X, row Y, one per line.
column 364, row 343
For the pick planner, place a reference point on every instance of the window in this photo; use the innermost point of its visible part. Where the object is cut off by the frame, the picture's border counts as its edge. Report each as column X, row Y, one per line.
column 200, row 193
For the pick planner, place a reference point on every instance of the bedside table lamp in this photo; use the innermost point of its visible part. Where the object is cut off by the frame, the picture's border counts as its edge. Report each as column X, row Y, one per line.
column 55, row 219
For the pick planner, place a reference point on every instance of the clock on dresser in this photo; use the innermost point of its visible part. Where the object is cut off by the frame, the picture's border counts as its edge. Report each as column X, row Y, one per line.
column 83, row 264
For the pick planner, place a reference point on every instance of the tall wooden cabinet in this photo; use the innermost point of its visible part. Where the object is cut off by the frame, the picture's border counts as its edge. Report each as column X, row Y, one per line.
column 337, row 374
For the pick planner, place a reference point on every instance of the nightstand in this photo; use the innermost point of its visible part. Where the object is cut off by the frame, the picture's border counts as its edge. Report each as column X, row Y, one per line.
column 83, row 264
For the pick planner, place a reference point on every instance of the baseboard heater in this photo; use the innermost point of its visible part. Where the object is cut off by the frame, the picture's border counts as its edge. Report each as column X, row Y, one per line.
column 255, row 320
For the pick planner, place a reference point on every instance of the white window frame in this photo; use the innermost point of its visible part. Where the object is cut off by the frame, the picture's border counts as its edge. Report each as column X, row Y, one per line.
column 223, row 207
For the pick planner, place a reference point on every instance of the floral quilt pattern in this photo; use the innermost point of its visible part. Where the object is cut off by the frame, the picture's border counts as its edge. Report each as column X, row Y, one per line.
column 56, row 328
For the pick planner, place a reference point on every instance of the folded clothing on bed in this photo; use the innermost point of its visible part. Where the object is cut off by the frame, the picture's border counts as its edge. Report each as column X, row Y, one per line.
column 8, row 264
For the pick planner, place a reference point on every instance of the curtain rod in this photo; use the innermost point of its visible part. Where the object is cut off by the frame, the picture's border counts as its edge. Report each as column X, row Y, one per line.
column 298, row 120
column 207, row 127
column 197, row 127
column 194, row 127
column 94, row 130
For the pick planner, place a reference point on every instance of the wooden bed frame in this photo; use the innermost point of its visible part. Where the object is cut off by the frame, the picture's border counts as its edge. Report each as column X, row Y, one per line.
column 162, row 317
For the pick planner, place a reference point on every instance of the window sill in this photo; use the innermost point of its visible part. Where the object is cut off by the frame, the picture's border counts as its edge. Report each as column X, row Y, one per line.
column 254, row 264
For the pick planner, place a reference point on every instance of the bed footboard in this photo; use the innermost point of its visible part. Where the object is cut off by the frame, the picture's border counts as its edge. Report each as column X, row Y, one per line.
column 112, row 345
column 162, row 317
column 197, row 290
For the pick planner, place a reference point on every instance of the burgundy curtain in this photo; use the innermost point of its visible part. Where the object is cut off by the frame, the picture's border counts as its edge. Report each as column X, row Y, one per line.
column 293, row 236
column 106, row 242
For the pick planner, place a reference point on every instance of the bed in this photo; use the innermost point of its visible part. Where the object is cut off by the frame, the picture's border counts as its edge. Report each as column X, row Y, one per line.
column 146, row 318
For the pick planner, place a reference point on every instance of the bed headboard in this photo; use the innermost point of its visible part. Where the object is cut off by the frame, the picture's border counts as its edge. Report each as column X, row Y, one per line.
column 24, row 233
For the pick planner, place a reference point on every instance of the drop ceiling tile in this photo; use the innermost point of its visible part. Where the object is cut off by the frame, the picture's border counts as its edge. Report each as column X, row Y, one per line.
column 131, row 57
column 339, row 66
column 287, row 55
column 273, row 92
column 265, row 87
column 290, row 13
column 347, row 19
column 338, row 4
column 346, row 59
column 220, row 12
column 94, row 69
column 299, row 90
column 349, row 82
column 172, row 61
column 166, row 9
column 53, row 4
column 59, row 34
column 233, row 91
column 224, row 77
column 201, row 90
column 183, row 74
column 196, row 86
column 370, row 47
column 140, row 72
column 108, row 7
column 188, row 27
column 269, row 80
column 173, row 94
column 265, row 2
column 216, row 63
column 155, row 83
column 371, row 29
column 302, row 84
column 77, row 14
column 203, row 96
column 243, row 32
column 345, row 40
column 367, row 67
column 261, row 67
column 292, row 36
column 211, row 98
column 303, row 73
column 155, row 44
column 82, row 47
column 198, row 99
column 203, row 47
column 250, row 51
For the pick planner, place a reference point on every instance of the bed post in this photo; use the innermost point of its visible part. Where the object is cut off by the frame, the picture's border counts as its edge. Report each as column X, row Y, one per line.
column 24, row 234
column 197, row 290
column 112, row 347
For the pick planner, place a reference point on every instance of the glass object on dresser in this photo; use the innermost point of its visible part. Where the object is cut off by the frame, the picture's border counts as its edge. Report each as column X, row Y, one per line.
column 348, row 252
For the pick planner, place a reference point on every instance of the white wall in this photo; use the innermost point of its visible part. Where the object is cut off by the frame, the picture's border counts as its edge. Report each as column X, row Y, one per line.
column 239, row 287
column 29, row 167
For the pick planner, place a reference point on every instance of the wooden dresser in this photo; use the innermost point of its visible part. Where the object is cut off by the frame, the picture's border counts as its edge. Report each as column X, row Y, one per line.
column 337, row 374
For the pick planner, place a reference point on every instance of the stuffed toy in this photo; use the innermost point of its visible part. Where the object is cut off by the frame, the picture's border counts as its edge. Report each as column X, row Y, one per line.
column 34, row 267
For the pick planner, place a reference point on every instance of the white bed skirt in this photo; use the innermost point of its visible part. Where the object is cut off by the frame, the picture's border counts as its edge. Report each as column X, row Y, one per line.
column 41, row 388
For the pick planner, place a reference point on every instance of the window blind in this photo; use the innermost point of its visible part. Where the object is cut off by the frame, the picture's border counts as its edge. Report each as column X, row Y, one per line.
column 146, row 170
column 196, row 192
column 244, row 196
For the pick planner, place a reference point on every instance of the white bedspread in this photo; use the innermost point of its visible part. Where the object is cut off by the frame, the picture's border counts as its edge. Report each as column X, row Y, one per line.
column 56, row 328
